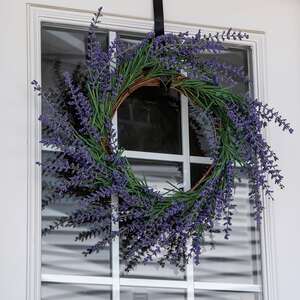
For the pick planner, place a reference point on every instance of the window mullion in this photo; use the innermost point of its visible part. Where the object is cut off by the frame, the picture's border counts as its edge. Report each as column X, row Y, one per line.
column 154, row 156
column 115, row 250
column 187, row 181
column 185, row 143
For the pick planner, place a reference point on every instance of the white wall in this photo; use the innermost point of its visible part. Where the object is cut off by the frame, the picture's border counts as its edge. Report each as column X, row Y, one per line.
column 279, row 19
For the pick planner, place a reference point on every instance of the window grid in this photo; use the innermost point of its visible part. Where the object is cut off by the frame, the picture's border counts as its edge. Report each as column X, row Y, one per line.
column 187, row 182
column 115, row 261
column 151, row 155
column 115, row 281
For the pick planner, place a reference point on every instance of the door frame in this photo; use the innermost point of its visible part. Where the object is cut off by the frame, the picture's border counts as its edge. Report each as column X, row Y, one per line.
column 37, row 14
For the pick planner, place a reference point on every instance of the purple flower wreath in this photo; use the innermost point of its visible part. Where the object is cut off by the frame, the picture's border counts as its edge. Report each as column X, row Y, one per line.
column 93, row 170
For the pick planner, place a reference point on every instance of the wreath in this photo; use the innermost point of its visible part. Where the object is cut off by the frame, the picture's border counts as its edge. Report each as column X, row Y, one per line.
column 93, row 171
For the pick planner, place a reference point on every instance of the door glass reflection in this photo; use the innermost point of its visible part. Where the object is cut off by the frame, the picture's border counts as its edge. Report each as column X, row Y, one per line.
column 144, row 293
column 160, row 175
column 220, row 295
column 63, row 291
column 64, row 49
column 236, row 260
column 149, row 120
column 61, row 254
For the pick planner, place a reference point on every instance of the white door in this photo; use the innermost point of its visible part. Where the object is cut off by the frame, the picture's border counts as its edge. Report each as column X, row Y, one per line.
column 33, row 38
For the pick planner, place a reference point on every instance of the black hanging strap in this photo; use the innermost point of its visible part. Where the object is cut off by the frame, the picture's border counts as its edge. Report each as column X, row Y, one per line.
column 158, row 17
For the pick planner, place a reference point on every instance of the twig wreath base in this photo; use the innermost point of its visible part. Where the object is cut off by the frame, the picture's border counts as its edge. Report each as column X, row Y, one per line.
column 91, row 168
column 158, row 82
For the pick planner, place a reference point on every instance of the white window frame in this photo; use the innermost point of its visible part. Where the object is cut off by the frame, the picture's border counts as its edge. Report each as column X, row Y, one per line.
column 35, row 16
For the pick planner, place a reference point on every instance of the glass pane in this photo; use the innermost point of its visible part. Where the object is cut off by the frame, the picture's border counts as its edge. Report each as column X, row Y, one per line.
column 64, row 49
column 61, row 254
column 158, row 175
column 236, row 260
column 220, row 295
column 198, row 171
column 63, row 291
column 144, row 293
column 149, row 120
column 237, row 57
column 153, row 270
column 152, row 114
column 199, row 134
column 131, row 38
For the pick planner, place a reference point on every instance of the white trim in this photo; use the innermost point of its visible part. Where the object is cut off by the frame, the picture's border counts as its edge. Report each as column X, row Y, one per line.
column 200, row 160
column 115, row 251
column 154, row 156
column 125, row 24
column 34, row 154
column 227, row 287
column 185, row 142
column 268, row 245
column 115, row 255
column 148, row 155
column 38, row 14
column 187, row 183
column 112, row 35
column 50, row 148
column 155, row 283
